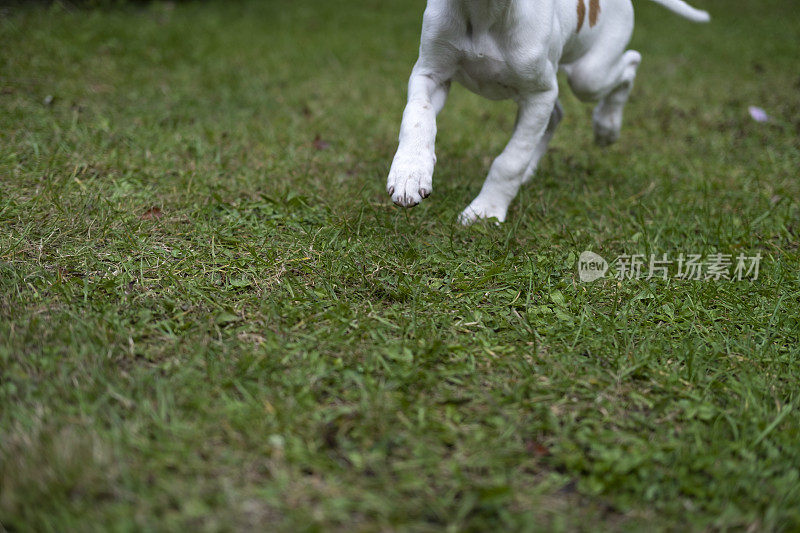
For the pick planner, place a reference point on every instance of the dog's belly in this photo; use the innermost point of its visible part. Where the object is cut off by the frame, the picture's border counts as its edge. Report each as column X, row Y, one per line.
column 487, row 79
column 483, row 70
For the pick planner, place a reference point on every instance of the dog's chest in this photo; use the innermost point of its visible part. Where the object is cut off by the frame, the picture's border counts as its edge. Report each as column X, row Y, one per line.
column 483, row 66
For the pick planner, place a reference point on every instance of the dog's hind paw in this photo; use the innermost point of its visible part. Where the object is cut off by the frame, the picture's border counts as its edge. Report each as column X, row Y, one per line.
column 605, row 137
column 607, row 127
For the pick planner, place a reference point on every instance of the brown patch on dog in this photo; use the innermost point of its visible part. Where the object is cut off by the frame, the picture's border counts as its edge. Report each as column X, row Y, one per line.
column 581, row 14
column 594, row 12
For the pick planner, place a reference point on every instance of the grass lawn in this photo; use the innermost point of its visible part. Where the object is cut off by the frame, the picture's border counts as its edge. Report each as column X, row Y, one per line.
column 212, row 317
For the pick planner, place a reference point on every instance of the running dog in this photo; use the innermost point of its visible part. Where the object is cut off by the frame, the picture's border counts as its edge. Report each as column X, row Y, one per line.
column 513, row 49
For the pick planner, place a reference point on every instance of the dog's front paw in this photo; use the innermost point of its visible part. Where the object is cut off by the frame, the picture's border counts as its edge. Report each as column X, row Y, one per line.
column 409, row 182
column 481, row 209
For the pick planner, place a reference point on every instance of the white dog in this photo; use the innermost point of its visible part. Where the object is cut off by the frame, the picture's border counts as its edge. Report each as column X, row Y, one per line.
column 513, row 49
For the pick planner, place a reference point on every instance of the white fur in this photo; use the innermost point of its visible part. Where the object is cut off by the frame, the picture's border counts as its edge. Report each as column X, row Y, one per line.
column 513, row 49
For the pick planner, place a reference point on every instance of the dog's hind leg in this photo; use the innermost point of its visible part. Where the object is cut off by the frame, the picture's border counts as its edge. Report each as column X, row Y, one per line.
column 595, row 77
column 607, row 116
column 606, row 73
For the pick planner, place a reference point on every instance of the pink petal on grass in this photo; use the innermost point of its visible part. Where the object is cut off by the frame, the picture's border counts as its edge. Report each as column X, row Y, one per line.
column 758, row 114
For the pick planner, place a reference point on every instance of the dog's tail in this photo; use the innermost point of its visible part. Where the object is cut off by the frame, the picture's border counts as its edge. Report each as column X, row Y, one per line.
column 685, row 10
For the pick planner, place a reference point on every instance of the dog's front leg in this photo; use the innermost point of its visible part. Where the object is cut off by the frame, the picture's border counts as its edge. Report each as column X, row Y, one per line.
column 508, row 171
column 411, row 176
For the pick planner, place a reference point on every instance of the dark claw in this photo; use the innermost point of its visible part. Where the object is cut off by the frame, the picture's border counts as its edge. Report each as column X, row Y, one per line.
column 424, row 192
column 391, row 190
